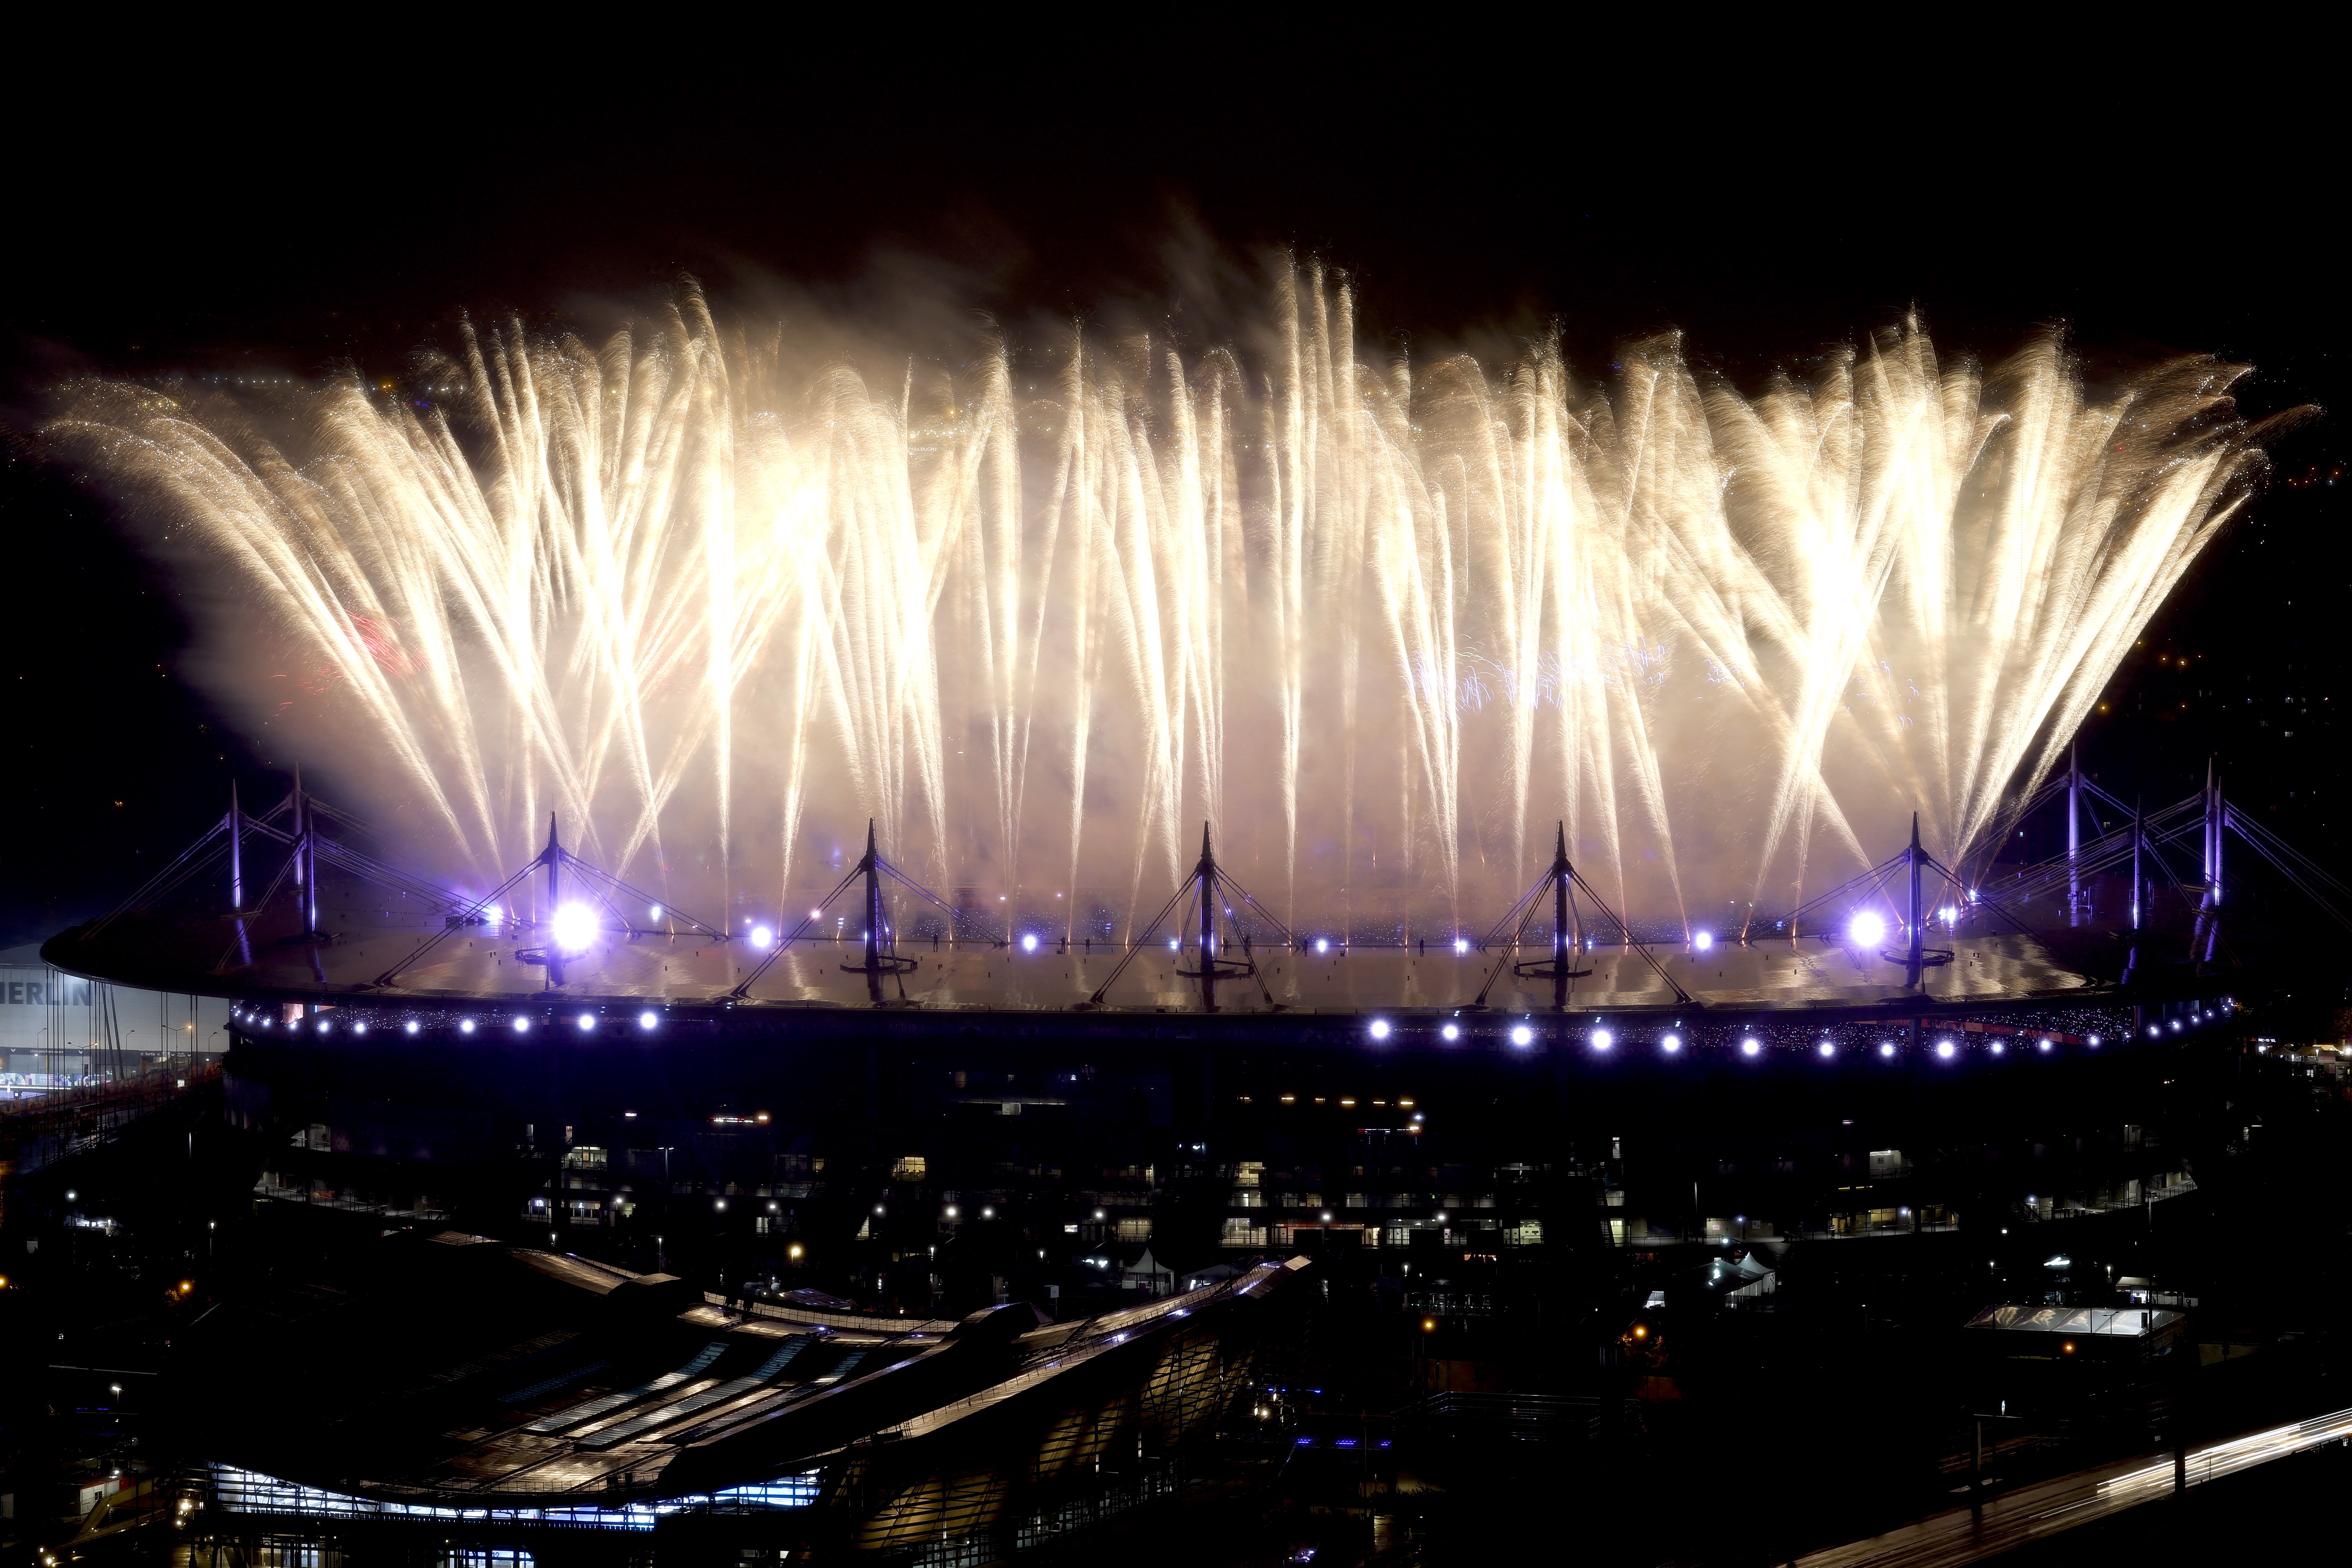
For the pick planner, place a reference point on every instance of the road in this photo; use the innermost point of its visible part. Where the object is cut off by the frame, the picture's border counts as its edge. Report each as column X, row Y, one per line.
column 2010, row 1519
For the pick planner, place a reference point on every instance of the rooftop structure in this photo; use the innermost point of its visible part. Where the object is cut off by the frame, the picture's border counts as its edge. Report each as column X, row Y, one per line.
column 542, row 1392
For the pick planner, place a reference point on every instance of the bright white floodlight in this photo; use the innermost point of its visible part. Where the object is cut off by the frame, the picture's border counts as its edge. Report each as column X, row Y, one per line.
column 1449, row 1033
column 1029, row 943
column 1867, row 929
column 575, row 927
column 1750, row 1046
column 1522, row 1036
column 1380, row 1029
column 1602, row 1039
column 1703, row 941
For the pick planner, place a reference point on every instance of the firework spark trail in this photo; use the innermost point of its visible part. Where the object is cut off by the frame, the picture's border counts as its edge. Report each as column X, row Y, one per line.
column 703, row 589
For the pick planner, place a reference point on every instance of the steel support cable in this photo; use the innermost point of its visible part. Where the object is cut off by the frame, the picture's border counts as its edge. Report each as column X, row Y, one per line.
column 190, row 866
column 367, row 869
column 2282, row 853
column 2171, row 876
column 1530, row 902
column 743, row 988
column 2108, row 850
column 2295, row 879
column 1191, row 887
column 463, row 918
column 162, row 878
column 1250, row 900
column 1248, row 964
column 1527, row 903
column 1875, row 876
column 2105, row 853
column 636, row 895
column 2050, row 790
column 957, row 920
column 285, row 870
column 1494, row 932
column 339, row 815
column 1095, row 998
column 360, row 863
column 1978, row 897
column 1625, row 932
column 912, row 886
column 2248, row 828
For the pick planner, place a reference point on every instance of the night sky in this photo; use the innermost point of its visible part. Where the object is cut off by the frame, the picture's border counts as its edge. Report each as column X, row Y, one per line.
column 300, row 222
